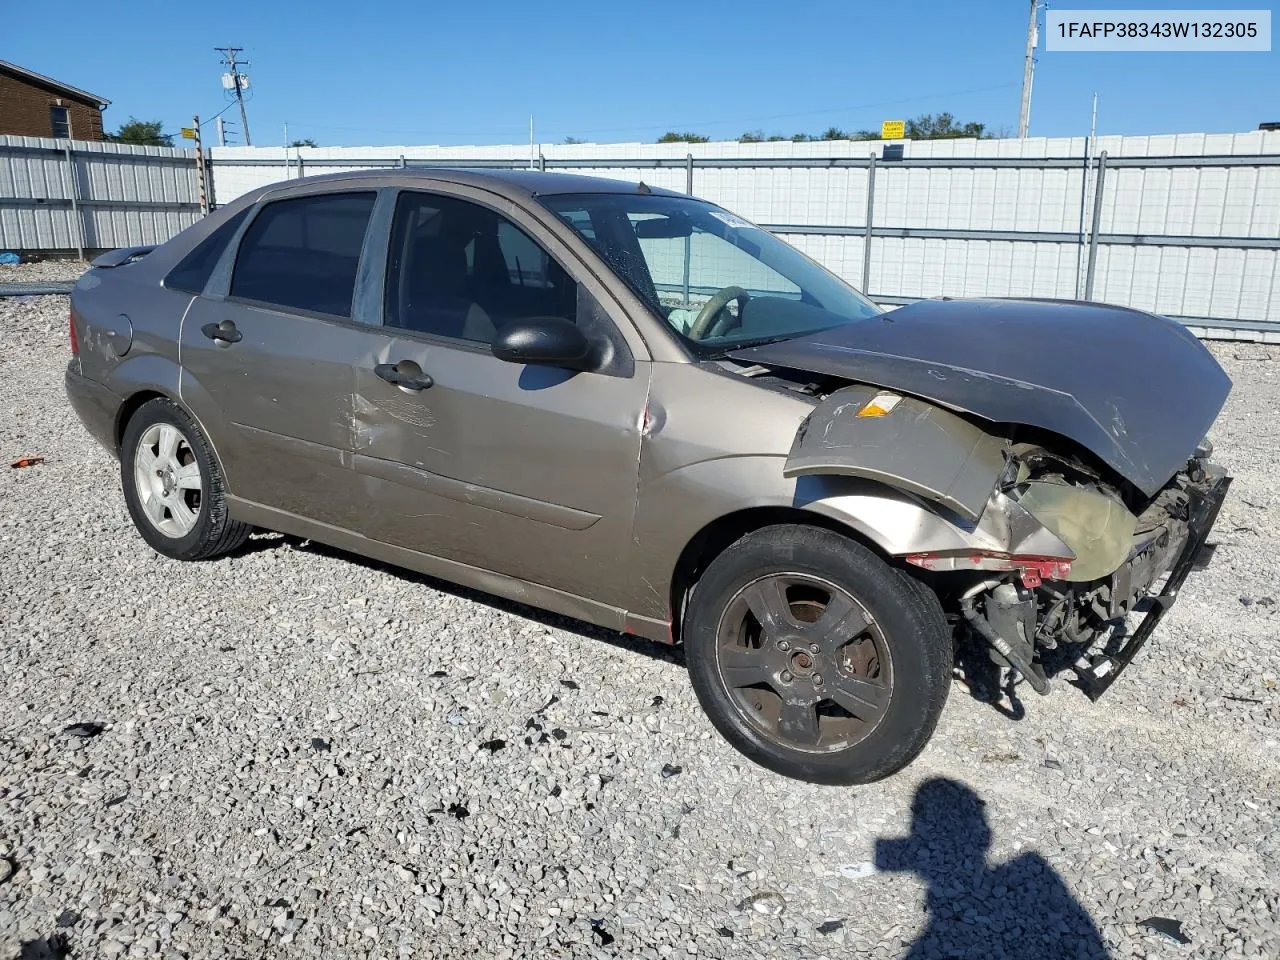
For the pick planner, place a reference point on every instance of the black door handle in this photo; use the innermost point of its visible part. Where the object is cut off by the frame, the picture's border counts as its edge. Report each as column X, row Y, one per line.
column 413, row 379
column 224, row 332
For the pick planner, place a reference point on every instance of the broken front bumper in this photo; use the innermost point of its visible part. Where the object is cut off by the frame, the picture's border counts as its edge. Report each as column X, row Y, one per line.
column 1103, row 668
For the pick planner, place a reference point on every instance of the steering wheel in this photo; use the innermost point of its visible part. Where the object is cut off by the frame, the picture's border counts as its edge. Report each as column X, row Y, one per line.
column 705, row 321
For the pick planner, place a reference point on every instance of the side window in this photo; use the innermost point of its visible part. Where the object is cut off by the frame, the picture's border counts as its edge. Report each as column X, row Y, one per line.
column 60, row 122
column 303, row 253
column 459, row 270
column 193, row 271
column 528, row 265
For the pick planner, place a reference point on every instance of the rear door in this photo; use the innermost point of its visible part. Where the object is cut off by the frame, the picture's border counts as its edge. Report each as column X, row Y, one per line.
column 524, row 470
column 267, row 353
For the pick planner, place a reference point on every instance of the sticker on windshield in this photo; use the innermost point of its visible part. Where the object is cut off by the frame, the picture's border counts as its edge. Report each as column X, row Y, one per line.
column 729, row 219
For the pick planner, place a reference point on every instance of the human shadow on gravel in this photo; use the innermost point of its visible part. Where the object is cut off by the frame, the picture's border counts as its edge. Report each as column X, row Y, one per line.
column 1019, row 910
column 649, row 648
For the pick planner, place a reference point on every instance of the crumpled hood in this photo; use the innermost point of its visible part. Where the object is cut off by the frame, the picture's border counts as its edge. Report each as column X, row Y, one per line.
column 1137, row 390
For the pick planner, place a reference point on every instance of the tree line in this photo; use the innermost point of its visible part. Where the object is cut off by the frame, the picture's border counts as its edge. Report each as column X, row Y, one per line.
column 927, row 126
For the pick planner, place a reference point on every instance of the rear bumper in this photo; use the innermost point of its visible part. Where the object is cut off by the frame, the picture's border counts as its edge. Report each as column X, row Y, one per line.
column 95, row 405
column 1202, row 514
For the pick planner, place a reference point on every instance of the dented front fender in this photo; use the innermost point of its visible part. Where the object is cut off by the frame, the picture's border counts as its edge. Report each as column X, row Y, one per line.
column 913, row 446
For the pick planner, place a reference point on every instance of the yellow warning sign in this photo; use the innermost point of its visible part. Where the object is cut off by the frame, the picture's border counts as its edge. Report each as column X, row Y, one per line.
column 893, row 130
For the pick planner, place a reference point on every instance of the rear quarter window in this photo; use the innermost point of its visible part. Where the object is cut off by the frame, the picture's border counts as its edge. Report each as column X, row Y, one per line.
column 193, row 271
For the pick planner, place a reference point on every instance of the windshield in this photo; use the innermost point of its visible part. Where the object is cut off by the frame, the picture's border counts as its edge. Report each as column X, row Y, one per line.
column 717, row 280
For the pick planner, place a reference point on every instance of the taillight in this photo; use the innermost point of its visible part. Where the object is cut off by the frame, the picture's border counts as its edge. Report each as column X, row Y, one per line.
column 75, row 341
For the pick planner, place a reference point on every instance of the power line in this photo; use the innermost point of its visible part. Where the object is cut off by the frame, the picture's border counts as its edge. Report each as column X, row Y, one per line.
column 219, row 113
column 238, row 81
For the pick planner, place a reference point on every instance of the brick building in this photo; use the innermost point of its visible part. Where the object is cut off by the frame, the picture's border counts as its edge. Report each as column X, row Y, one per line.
column 32, row 105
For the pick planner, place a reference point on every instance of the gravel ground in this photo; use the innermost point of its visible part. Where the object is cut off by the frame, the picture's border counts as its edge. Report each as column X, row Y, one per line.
column 292, row 752
column 44, row 270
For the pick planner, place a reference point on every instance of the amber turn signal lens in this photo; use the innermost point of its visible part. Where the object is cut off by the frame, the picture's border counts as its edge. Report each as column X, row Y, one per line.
column 880, row 405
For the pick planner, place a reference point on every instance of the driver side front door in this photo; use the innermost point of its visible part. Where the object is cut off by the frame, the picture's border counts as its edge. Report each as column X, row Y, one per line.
column 522, row 470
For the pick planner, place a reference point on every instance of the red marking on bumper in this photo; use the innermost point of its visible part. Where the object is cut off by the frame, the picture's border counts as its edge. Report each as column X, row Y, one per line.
column 1033, row 569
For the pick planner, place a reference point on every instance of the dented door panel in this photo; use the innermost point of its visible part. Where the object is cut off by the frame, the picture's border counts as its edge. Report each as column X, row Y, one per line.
column 285, row 392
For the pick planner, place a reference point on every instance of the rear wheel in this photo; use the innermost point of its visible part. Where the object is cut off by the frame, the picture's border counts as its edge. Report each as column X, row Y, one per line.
column 172, row 484
column 815, row 658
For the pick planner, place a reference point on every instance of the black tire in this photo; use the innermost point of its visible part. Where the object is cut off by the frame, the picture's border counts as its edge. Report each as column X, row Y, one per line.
column 901, row 616
column 214, row 532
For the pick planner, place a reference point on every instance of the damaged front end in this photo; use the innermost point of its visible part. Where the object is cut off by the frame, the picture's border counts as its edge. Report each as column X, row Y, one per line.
column 1057, row 565
column 1099, row 605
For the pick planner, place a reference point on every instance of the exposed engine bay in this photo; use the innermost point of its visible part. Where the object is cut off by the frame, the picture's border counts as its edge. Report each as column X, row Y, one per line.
column 1099, row 608
column 1055, row 555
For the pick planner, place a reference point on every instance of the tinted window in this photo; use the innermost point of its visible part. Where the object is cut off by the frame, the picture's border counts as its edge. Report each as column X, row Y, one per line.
column 304, row 253
column 193, row 272
column 460, row 270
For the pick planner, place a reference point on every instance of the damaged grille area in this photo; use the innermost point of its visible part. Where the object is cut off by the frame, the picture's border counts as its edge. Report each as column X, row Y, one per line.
column 1095, row 624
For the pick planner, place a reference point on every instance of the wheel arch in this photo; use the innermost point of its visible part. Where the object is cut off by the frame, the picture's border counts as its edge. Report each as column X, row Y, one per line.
column 131, row 405
column 143, row 394
column 141, row 376
column 721, row 500
column 716, row 536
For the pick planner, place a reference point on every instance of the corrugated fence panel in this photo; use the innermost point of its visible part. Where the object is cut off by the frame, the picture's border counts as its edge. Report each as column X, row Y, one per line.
column 125, row 195
column 1222, row 283
column 39, row 228
column 947, row 225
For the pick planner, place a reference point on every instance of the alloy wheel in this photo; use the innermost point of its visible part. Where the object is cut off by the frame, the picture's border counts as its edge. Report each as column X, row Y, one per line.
column 804, row 662
column 167, row 476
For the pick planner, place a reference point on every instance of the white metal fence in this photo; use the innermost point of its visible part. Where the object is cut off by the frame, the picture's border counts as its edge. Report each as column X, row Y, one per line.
column 1187, row 225
column 72, row 195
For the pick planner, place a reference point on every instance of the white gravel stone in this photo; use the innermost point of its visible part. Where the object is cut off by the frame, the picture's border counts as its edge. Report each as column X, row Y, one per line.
column 41, row 271
column 204, row 821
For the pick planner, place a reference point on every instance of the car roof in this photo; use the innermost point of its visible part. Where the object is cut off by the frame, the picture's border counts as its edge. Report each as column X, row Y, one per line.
column 515, row 183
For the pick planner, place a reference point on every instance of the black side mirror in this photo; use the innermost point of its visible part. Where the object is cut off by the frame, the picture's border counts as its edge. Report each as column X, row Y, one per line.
column 548, row 341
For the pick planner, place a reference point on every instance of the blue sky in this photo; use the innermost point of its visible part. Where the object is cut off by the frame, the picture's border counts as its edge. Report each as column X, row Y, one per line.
column 386, row 72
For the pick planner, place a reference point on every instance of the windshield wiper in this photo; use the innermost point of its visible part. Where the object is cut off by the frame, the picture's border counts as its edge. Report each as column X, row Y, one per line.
column 759, row 342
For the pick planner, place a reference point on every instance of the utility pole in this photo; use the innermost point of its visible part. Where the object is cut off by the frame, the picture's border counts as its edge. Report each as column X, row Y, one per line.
column 222, row 133
column 201, row 183
column 1028, row 71
column 237, row 78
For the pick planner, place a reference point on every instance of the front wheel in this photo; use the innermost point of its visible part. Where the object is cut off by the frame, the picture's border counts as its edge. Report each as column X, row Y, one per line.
column 815, row 658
